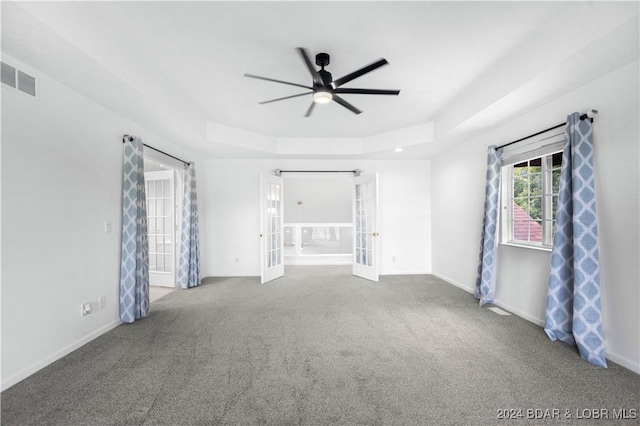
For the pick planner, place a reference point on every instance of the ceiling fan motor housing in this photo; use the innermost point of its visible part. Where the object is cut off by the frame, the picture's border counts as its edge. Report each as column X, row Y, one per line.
column 322, row 59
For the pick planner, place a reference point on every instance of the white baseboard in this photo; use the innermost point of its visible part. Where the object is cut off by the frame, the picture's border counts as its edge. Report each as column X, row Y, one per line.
column 453, row 282
column 518, row 312
column 625, row 362
column 39, row 365
column 404, row 273
column 620, row 360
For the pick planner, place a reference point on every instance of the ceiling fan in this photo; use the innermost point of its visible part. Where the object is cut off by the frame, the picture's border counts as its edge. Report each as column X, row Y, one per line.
column 324, row 88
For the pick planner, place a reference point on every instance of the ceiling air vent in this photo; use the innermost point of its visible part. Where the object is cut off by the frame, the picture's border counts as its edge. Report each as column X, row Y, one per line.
column 17, row 79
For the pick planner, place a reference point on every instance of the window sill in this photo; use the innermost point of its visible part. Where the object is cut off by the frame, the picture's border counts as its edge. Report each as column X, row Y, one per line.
column 527, row 246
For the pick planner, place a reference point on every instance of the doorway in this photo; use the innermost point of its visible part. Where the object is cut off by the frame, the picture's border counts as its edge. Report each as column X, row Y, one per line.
column 319, row 219
column 163, row 185
column 318, row 228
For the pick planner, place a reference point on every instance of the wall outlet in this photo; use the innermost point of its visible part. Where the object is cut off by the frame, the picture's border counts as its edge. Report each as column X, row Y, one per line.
column 102, row 302
column 85, row 309
column 107, row 226
column 393, row 259
column 237, row 260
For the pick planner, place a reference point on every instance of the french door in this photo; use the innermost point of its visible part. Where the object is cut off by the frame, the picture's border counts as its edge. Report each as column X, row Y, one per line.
column 365, row 226
column 161, row 227
column 271, row 228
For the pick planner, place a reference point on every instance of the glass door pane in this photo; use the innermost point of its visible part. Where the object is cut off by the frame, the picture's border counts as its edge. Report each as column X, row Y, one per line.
column 365, row 226
column 272, row 265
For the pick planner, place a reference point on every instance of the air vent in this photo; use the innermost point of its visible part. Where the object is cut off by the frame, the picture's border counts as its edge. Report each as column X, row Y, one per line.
column 17, row 79
column 8, row 75
column 26, row 83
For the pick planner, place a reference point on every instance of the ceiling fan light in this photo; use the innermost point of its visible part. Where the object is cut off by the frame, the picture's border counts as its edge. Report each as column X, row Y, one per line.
column 322, row 97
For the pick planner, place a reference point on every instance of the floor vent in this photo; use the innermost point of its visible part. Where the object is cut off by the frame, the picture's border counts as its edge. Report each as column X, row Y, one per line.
column 498, row 311
column 17, row 79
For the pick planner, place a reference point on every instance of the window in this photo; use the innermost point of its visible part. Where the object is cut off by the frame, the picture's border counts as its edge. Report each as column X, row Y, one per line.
column 530, row 184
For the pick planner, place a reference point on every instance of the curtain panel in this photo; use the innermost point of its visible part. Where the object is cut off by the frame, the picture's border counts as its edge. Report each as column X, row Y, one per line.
column 134, row 267
column 573, row 312
column 485, row 281
column 189, row 269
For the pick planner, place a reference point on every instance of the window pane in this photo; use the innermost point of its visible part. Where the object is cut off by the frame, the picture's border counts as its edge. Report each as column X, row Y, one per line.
column 166, row 190
column 520, row 185
column 556, row 159
column 535, row 208
column 535, row 164
column 520, row 166
column 521, row 230
column 555, row 181
column 536, row 184
column 535, row 231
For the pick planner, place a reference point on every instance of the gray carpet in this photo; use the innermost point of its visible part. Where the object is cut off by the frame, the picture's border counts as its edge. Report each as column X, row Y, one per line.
column 320, row 347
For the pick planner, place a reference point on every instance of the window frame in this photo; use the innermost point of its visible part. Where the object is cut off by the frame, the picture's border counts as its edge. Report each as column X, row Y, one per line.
column 543, row 147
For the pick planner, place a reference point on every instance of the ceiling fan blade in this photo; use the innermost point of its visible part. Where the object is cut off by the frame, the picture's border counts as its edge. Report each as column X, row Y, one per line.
column 317, row 80
column 313, row 104
column 277, row 81
column 286, row 97
column 367, row 91
column 358, row 73
column 346, row 104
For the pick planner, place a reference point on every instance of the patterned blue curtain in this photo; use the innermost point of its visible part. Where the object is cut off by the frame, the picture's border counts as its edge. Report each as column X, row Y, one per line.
column 485, row 281
column 134, row 268
column 573, row 301
column 189, row 270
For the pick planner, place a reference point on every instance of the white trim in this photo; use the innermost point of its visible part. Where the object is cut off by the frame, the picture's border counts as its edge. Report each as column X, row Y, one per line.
column 519, row 312
column 624, row 362
column 39, row 365
column 390, row 273
column 527, row 246
column 545, row 144
column 454, row 282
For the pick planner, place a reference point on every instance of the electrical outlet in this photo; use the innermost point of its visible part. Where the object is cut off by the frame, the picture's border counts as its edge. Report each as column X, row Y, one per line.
column 85, row 309
column 393, row 259
column 107, row 226
column 102, row 302
column 237, row 260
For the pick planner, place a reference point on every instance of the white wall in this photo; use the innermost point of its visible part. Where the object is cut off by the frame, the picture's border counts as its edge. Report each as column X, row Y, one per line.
column 458, row 178
column 324, row 200
column 233, row 222
column 61, row 180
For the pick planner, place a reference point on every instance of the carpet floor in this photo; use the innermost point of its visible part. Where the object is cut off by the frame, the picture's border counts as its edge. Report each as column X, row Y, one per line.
column 319, row 347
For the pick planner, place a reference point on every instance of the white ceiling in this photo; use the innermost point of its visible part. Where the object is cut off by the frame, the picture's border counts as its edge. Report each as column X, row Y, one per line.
column 462, row 67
